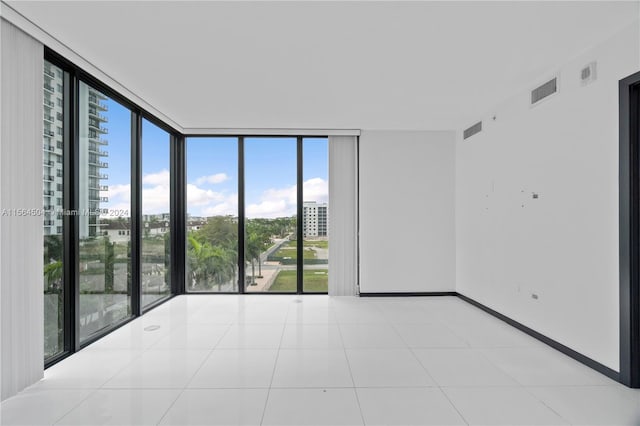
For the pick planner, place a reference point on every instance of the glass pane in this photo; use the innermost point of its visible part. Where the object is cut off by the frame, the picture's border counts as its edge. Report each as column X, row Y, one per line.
column 53, row 228
column 315, row 214
column 212, row 215
column 104, row 210
column 270, row 206
column 156, row 243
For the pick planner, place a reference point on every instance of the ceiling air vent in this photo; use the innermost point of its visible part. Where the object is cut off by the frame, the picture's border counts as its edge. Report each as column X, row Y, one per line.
column 476, row 128
column 588, row 74
column 543, row 91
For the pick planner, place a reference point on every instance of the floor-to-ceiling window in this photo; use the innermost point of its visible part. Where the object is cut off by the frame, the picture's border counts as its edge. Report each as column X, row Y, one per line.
column 258, row 206
column 271, row 200
column 53, row 194
column 315, row 216
column 254, row 210
column 104, row 209
column 156, row 219
column 212, row 215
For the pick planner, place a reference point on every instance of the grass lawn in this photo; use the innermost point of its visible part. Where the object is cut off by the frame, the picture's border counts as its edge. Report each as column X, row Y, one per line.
column 313, row 280
column 317, row 243
column 309, row 243
column 293, row 253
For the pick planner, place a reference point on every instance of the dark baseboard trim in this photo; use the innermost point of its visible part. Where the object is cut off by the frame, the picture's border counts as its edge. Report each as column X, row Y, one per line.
column 544, row 339
column 400, row 294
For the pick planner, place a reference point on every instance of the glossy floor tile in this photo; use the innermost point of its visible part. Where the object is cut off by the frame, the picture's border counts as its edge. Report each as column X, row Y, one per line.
column 304, row 368
column 461, row 367
column 217, row 407
column 122, row 407
column 316, row 360
column 387, row 368
column 236, row 368
column 407, row 406
column 321, row 407
column 501, row 406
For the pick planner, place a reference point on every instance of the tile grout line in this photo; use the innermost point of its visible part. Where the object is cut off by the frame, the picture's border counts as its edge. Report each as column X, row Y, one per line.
column 355, row 390
column 442, row 391
column 275, row 364
column 92, row 391
column 192, row 377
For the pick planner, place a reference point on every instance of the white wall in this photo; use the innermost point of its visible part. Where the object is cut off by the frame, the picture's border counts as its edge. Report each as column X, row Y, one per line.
column 407, row 239
column 21, row 279
column 563, row 246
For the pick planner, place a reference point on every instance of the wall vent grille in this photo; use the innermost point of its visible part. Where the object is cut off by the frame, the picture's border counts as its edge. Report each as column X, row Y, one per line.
column 543, row 91
column 476, row 128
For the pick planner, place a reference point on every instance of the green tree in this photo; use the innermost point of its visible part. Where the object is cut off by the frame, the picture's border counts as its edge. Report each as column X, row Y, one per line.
column 53, row 275
column 209, row 265
column 221, row 231
column 109, row 265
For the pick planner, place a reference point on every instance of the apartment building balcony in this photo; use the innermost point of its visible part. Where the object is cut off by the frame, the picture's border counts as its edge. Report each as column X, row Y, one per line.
column 48, row 193
column 48, row 132
column 48, row 88
column 49, row 73
column 48, row 163
column 48, row 178
column 48, row 222
column 104, row 187
column 94, row 101
column 48, row 147
column 48, row 118
column 48, row 103
column 104, row 199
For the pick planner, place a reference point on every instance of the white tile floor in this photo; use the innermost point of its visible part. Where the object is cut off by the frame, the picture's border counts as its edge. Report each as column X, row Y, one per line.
column 304, row 360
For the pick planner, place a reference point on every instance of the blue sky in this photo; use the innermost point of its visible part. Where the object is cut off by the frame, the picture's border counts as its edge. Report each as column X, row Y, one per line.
column 212, row 163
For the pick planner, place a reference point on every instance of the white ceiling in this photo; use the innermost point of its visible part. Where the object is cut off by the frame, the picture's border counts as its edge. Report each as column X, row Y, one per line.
column 364, row 65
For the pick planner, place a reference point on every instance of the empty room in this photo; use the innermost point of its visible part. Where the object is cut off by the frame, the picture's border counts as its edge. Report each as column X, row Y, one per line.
column 319, row 212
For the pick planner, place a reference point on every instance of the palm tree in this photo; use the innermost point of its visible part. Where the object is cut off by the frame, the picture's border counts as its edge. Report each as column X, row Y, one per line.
column 210, row 264
column 53, row 274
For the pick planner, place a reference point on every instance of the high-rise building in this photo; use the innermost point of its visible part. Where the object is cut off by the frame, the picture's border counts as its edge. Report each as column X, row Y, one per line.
column 91, row 152
column 90, row 120
column 315, row 219
column 52, row 146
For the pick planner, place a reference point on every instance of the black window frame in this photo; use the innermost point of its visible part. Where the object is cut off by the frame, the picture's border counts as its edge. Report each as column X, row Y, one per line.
column 241, row 211
column 72, row 75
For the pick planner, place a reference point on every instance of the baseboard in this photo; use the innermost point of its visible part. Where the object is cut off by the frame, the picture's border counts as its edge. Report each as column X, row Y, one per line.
column 612, row 374
column 410, row 294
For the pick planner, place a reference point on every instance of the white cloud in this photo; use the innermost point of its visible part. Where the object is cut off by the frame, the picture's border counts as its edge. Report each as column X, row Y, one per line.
column 201, row 197
column 213, row 179
column 228, row 207
column 271, row 209
column 155, row 200
column 316, row 189
column 118, row 192
column 162, row 177
column 282, row 202
column 274, row 202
